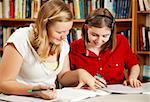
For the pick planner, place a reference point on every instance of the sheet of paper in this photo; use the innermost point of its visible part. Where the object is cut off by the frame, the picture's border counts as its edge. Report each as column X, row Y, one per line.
column 73, row 94
column 63, row 95
column 120, row 88
column 13, row 98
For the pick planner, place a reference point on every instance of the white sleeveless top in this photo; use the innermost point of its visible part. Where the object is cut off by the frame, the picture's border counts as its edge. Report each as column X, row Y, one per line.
column 32, row 70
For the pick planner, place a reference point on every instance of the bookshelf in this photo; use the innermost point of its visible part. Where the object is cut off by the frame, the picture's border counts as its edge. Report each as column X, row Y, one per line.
column 143, row 21
column 122, row 24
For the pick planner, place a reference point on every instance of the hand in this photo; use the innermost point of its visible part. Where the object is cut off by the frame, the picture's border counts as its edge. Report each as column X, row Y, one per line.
column 48, row 94
column 86, row 78
column 132, row 82
column 100, row 82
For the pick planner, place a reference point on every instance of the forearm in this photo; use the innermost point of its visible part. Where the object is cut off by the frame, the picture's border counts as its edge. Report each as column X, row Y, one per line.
column 13, row 87
column 135, row 71
column 70, row 78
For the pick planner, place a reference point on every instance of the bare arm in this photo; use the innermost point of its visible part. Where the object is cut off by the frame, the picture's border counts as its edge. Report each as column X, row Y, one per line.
column 78, row 77
column 135, row 71
column 133, row 77
column 9, row 68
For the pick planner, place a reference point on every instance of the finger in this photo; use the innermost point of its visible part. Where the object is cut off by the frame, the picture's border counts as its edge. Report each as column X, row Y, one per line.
column 131, row 81
column 125, row 83
column 100, row 79
column 138, row 83
column 91, row 84
column 135, row 82
column 48, row 95
column 100, row 84
column 80, row 85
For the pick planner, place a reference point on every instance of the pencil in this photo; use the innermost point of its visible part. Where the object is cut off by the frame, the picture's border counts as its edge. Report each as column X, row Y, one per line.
column 39, row 90
column 98, row 75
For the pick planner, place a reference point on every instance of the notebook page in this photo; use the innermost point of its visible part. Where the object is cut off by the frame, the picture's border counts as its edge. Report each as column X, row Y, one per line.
column 74, row 94
column 120, row 88
column 13, row 98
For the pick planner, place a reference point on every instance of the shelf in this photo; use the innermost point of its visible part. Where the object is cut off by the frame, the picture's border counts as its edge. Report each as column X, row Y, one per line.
column 143, row 52
column 143, row 12
column 33, row 20
column 19, row 20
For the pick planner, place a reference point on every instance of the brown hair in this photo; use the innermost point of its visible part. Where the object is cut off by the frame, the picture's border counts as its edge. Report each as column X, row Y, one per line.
column 101, row 18
column 51, row 12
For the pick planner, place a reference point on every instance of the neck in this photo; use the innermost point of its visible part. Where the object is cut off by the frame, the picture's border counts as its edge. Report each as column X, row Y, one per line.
column 93, row 49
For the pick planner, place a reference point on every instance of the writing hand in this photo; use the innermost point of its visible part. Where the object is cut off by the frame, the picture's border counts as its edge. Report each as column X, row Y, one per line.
column 100, row 82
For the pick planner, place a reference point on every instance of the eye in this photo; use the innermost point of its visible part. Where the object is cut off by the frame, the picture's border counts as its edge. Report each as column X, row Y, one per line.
column 58, row 32
column 93, row 34
column 106, row 35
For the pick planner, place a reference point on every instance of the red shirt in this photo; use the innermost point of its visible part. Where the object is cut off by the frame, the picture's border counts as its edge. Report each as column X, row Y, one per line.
column 110, row 65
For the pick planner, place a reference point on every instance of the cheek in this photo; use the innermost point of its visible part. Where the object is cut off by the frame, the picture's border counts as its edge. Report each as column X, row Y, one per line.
column 90, row 37
column 106, row 39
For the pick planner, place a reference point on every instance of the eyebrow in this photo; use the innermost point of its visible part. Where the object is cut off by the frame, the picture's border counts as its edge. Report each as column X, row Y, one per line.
column 98, row 34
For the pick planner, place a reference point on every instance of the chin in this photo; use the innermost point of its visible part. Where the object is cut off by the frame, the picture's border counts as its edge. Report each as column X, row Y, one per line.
column 57, row 42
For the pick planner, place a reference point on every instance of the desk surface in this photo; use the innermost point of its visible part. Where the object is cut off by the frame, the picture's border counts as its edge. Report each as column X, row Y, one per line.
column 108, row 98
column 120, row 98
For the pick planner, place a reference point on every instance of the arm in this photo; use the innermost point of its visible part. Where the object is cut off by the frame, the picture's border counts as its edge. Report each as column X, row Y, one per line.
column 72, row 78
column 9, row 69
column 133, row 77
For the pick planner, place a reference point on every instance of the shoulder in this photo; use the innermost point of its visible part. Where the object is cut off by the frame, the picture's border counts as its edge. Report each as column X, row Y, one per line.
column 121, row 39
column 21, row 34
column 77, row 44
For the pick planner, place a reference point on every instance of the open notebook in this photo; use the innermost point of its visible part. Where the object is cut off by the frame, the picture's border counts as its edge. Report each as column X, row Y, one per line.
column 64, row 95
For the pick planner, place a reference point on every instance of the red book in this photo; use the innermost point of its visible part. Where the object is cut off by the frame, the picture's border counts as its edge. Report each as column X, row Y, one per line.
column 141, row 40
column 12, row 14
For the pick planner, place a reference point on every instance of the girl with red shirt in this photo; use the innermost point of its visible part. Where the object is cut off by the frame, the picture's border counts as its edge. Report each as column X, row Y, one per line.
column 102, row 51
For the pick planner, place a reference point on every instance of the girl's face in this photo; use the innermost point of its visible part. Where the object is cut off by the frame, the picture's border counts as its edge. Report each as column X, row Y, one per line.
column 59, row 31
column 98, row 36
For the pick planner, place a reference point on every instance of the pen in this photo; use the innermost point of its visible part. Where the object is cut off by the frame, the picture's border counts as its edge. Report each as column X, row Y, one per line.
column 38, row 90
column 98, row 75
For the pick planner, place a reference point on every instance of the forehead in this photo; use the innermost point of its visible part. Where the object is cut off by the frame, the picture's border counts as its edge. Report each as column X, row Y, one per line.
column 103, row 30
column 62, row 26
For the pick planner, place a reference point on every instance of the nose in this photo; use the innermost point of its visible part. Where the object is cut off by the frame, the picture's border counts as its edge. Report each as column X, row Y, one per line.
column 100, row 39
column 64, row 34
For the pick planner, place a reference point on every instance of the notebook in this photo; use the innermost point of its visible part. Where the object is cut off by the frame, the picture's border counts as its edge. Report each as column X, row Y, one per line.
column 68, row 94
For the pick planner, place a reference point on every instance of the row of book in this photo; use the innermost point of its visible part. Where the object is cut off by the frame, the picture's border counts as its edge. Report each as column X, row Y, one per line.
column 73, row 35
column 144, row 38
column 144, row 5
column 81, row 8
column 5, row 33
column 20, row 8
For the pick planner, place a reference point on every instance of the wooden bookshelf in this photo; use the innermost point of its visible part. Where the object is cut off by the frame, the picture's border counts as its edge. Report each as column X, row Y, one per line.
column 143, row 52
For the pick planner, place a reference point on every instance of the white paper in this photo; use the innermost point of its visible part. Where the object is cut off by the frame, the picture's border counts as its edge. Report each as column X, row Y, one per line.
column 120, row 88
column 13, row 98
column 69, row 94
column 73, row 94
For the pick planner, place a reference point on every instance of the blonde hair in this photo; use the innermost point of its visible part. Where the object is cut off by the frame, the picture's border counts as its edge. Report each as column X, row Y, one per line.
column 51, row 12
